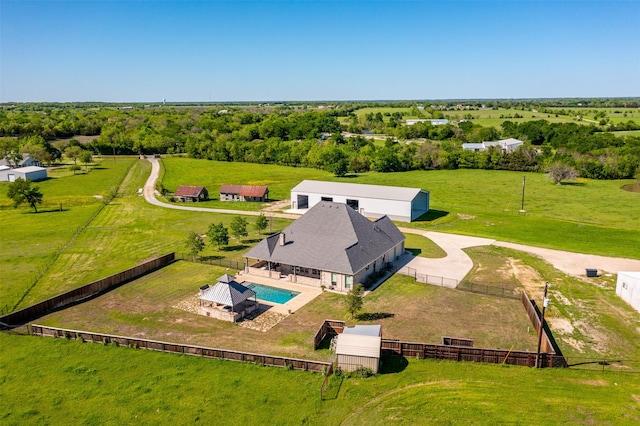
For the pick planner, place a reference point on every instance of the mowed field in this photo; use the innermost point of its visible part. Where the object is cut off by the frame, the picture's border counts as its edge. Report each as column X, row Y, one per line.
column 44, row 381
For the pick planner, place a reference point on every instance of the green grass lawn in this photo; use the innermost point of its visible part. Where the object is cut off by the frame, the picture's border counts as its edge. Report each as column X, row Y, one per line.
column 119, row 385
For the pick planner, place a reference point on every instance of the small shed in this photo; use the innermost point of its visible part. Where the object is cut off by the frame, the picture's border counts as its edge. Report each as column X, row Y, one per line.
column 187, row 193
column 628, row 288
column 33, row 173
column 359, row 347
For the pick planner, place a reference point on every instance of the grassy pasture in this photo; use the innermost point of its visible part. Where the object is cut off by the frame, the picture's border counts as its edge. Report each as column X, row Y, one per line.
column 31, row 241
column 126, row 232
column 120, row 385
column 585, row 216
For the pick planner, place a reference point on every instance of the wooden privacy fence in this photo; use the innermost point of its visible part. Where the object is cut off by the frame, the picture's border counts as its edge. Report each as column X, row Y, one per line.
column 463, row 353
column 76, row 295
column 328, row 328
column 546, row 343
column 154, row 345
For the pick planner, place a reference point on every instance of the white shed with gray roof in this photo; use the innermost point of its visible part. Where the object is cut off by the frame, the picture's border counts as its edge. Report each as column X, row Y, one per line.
column 398, row 203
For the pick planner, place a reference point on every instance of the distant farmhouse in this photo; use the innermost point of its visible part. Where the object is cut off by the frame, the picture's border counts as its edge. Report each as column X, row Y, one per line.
column 27, row 161
column 186, row 193
column 244, row 193
column 34, row 173
column 433, row 121
column 398, row 203
column 331, row 245
column 507, row 145
column 628, row 288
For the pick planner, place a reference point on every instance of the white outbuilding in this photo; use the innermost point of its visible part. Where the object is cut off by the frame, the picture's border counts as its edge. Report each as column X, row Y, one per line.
column 359, row 347
column 33, row 173
column 628, row 288
column 398, row 203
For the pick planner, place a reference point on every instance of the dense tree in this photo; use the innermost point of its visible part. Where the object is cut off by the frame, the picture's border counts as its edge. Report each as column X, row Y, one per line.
column 21, row 191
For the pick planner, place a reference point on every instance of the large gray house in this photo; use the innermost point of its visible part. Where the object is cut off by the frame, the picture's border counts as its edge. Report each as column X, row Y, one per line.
column 399, row 203
column 331, row 245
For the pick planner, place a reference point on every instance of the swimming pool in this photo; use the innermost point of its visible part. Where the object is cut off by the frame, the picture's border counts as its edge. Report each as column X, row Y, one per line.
column 271, row 294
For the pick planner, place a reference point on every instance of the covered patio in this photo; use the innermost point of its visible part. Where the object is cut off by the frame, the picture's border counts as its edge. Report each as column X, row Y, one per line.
column 276, row 271
column 228, row 300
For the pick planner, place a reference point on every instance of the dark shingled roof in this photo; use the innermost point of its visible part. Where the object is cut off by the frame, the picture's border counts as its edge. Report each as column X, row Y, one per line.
column 330, row 237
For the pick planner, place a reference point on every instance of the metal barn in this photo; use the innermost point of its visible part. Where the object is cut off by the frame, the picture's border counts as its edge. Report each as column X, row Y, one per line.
column 398, row 203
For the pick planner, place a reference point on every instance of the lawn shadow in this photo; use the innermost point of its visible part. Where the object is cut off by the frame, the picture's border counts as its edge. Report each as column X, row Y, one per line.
column 390, row 364
column 332, row 390
column 234, row 248
column 374, row 316
column 572, row 183
column 252, row 240
column 431, row 215
column 209, row 258
column 414, row 251
column 54, row 210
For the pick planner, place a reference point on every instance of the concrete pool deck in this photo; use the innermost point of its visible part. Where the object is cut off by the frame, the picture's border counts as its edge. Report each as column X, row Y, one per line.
column 307, row 293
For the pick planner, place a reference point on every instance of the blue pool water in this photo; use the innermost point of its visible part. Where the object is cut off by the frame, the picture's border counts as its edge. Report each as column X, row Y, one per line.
column 271, row 294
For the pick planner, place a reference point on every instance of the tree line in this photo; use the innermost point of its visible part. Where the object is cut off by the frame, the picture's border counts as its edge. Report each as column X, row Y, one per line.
column 312, row 137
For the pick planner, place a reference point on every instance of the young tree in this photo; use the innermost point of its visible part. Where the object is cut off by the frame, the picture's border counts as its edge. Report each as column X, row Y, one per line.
column 239, row 227
column 558, row 172
column 354, row 299
column 218, row 234
column 194, row 244
column 73, row 153
column 21, row 191
column 86, row 158
column 261, row 223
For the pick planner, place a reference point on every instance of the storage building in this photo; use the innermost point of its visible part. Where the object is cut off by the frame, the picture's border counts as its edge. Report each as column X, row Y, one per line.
column 628, row 288
column 398, row 203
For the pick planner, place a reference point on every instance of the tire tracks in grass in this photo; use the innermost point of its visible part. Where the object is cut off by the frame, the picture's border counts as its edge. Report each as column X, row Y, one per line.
column 379, row 398
column 79, row 230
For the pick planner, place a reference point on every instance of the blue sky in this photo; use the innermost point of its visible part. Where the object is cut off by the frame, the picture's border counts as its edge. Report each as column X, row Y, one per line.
column 146, row 51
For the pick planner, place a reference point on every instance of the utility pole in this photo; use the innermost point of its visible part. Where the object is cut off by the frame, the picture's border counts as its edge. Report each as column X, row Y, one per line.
column 545, row 303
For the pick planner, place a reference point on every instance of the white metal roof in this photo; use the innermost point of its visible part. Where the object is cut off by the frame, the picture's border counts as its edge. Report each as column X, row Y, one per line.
column 354, row 344
column 630, row 274
column 30, row 169
column 398, row 193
